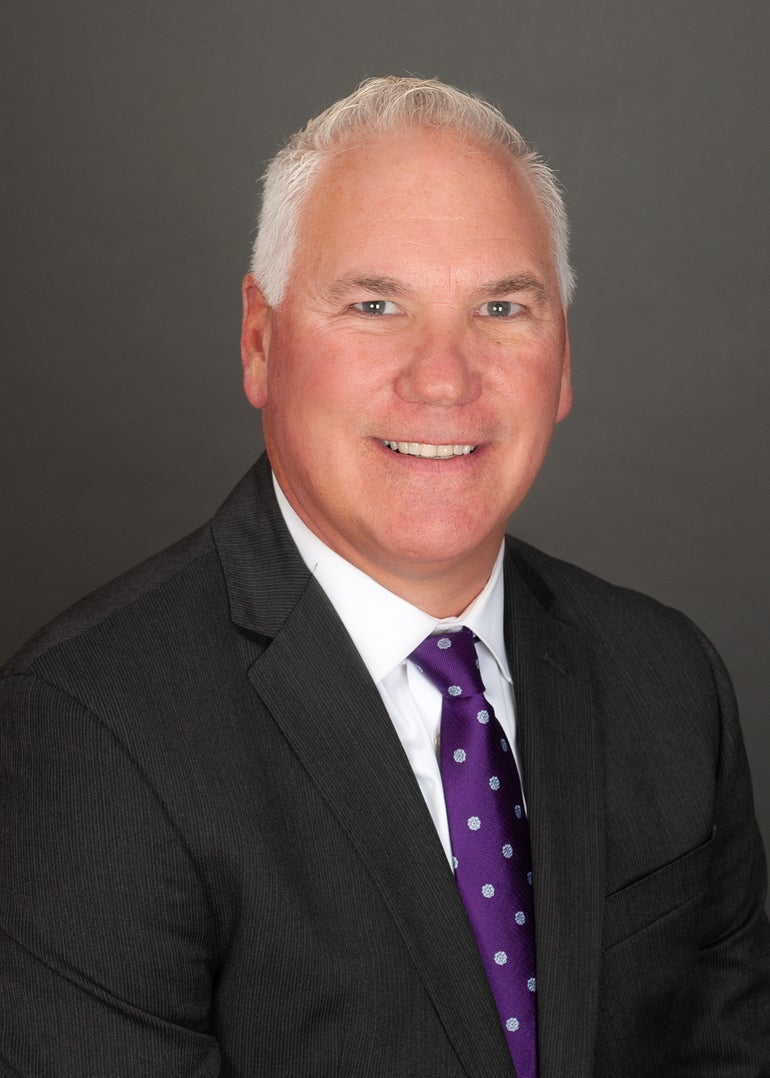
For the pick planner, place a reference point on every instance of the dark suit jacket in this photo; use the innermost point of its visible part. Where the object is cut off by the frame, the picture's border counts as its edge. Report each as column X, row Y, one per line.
column 215, row 859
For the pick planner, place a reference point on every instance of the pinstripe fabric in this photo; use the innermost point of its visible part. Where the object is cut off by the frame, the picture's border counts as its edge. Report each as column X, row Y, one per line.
column 203, row 871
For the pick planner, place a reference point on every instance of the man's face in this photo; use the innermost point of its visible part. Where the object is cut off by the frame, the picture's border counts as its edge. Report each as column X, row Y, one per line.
column 413, row 373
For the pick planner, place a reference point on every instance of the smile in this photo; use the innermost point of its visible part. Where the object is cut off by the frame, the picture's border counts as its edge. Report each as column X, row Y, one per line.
column 423, row 449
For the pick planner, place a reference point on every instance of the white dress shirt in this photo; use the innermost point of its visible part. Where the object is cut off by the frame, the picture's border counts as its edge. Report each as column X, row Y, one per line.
column 386, row 629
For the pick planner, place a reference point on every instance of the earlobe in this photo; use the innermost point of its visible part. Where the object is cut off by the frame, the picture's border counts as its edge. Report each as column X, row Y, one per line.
column 255, row 342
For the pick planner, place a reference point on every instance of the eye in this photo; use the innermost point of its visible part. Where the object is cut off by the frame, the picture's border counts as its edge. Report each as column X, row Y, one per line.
column 500, row 308
column 376, row 307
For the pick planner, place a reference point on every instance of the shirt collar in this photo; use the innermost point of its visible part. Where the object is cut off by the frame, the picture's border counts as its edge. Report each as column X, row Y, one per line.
column 384, row 627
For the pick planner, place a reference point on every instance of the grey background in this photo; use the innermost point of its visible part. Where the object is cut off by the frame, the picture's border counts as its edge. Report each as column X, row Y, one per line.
column 132, row 136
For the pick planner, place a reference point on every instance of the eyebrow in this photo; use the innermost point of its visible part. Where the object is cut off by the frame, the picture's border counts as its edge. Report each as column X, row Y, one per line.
column 520, row 282
column 389, row 286
column 381, row 286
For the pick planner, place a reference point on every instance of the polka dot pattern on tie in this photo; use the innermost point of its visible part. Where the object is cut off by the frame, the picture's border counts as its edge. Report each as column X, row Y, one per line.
column 489, row 834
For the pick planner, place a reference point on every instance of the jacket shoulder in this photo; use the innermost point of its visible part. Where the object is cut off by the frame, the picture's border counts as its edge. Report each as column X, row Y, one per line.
column 619, row 617
column 146, row 595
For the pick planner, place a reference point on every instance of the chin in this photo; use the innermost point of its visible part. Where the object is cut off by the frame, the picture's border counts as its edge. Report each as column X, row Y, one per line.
column 434, row 547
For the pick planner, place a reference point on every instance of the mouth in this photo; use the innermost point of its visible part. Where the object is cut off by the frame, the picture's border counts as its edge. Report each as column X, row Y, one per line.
column 432, row 452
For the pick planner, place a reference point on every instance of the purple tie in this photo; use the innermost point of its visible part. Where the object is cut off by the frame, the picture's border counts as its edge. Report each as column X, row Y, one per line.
column 490, row 835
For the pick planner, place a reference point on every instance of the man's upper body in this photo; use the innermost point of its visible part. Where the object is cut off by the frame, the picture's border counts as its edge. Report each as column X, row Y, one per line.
column 221, row 863
column 222, row 846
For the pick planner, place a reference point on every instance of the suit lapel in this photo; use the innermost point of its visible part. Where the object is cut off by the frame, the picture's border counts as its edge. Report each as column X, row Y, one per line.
column 563, row 783
column 313, row 682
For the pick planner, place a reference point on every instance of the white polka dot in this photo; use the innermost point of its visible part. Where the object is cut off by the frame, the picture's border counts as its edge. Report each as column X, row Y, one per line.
column 459, row 756
column 454, row 690
column 494, row 783
column 501, row 958
column 488, row 890
column 517, row 811
column 529, row 878
column 455, row 862
column 503, row 744
column 512, row 1024
column 532, row 984
column 444, row 643
column 474, row 823
column 519, row 918
column 483, row 717
column 507, row 850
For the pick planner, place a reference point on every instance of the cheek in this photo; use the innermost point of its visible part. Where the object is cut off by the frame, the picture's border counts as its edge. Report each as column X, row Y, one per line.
column 334, row 386
column 307, row 413
column 295, row 382
column 299, row 367
column 530, row 387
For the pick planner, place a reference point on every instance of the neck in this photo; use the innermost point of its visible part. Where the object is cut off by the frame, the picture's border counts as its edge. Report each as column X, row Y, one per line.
column 438, row 591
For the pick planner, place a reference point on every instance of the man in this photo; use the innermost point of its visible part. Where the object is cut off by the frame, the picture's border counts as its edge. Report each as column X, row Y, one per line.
column 230, row 841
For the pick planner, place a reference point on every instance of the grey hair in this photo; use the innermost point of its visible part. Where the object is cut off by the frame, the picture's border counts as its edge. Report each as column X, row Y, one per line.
column 381, row 105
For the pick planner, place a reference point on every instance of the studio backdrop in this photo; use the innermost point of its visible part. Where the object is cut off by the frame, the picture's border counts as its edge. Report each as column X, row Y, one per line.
column 133, row 136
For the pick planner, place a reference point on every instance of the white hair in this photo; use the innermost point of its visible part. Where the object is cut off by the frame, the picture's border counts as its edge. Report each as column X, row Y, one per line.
column 382, row 105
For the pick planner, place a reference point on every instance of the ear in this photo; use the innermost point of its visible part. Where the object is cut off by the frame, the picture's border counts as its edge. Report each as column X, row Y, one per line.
column 565, row 391
column 255, row 342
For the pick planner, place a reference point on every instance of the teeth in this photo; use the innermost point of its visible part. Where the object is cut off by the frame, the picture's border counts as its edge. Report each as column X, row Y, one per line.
column 423, row 449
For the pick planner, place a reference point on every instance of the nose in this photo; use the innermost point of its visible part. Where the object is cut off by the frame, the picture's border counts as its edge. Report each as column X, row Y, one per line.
column 439, row 370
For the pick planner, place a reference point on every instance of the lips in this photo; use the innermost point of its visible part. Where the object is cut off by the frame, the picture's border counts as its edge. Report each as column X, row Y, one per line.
column 425, row 449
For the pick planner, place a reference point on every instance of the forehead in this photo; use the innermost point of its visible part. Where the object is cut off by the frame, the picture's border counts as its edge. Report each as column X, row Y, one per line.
column 420, row 190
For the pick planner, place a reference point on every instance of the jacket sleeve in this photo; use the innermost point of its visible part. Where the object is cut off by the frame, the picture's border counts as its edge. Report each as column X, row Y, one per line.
column 106, row 944
column 721, row 1023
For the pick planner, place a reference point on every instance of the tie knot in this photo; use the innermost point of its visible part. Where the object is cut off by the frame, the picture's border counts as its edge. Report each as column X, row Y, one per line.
column 450, row 662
